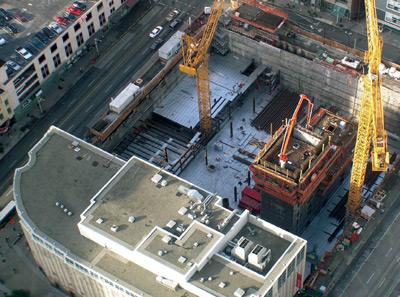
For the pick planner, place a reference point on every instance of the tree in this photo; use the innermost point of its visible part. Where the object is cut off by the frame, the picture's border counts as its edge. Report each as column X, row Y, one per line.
column 21, row 293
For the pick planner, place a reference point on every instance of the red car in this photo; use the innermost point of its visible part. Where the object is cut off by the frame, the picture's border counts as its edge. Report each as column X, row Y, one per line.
column 74, row 10
column 61, row 20
column 20, row 17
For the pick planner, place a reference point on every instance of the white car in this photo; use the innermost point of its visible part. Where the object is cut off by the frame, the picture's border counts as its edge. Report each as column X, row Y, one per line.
column 14, row 65
column 349, row 62
column 2, row 41
column 155, row 31
column 55, row 27
column 24, row 53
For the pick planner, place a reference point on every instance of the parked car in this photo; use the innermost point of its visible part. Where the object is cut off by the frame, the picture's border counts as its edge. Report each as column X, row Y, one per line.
column 156, row 44
column 80, row 5
column 69, row 16
column 42, row 37
column 11, row 29
column 24, row 53
column 156, row 31
column 3, row 22
column 172, row 15
column 18, row 59
column 13, row 65
column 175, row 24
column 56, row 28
column 74, row 10
column 36, row 42
column 10, row 72
column 32, row 49
column 7, row 16
column 48, row 32
column 2, row 41
column 61, row 20
column 349, row 62
column 18, row 16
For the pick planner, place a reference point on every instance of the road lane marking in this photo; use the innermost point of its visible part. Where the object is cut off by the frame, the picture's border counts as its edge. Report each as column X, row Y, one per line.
column 380, row 285
column 9, row 192
column 108, row 89
column 126, row 46
column 144, row 51
column 127, row 68
column 91, row 82
column 12, row 164
column 372, row 275
column 51, row 124
column 398, row 259
column 34, row 141
column 72, row 102
column 70, row 127
column 387, row 254
column 89, row 108
column 105, row 78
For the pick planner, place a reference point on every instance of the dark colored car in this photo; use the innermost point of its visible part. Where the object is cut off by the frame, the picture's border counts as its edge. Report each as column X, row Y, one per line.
column 11, row 29
column 5, row 14
column 32, row 49
column 49, row 33
column 156, row 44
column 18, row 16
column 10, row 72
column 69, row 16
column 17, row 59
column 42, row 37
column 175, row 24
column 80, row 5
column 37, row 43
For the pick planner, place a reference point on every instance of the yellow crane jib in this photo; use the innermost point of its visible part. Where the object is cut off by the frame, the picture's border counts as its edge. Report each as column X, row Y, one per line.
column 195, row 62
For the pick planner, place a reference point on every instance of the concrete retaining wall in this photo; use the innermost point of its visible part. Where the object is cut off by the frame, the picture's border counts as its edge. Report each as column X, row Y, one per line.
column 324, row 84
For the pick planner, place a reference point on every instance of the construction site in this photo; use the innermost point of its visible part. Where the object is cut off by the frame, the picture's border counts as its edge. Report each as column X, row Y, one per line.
column 269, row 123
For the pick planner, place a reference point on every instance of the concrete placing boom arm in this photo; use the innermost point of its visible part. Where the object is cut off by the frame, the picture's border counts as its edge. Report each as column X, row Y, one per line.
column 195, row 62
column 282, row 156
column 371, row 123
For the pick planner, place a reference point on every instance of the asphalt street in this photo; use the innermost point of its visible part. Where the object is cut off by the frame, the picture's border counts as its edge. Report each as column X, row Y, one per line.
column 376, row 272
column 90, row 96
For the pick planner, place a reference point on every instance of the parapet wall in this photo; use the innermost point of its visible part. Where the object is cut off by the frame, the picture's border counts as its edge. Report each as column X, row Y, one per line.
column 324, row 84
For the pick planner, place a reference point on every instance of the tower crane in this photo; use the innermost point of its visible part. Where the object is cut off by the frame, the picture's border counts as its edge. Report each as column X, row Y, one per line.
column 195, row 62
column 371, row 122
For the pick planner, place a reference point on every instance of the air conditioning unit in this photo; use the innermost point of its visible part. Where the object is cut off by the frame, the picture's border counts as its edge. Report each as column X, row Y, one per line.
column 259, row 256
column 242, row 249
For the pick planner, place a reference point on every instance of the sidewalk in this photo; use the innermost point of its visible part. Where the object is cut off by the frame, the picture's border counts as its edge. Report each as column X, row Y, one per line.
column 106, row 40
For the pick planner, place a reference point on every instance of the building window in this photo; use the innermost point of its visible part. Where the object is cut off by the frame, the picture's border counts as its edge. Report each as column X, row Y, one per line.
column 91, row 29
column 88, row 16
column 269, row 294
column 79, row 39
column 300, row 257
column 65, row 37
column 102, row 19
column 100, row 6
column 112, row 10
column 291, row 268
column 45, row 71
column 77, row 27
column 111, row 3
column 9, row 110
column 6, row 102
column 56, row 60
column 281, row 280
column 42, row 58
column 68, row 49
column 53, row 48
column 1, row 117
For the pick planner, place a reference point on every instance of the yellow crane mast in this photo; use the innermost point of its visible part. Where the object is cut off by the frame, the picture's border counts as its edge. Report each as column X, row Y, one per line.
column 371, row 123
column 195, row 62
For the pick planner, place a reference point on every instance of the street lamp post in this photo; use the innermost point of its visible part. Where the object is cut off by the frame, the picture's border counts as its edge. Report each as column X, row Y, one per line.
column 97, row 48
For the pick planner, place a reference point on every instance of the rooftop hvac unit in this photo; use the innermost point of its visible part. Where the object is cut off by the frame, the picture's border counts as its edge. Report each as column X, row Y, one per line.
column 156, row 178
column 183, row 190
column 239, row 292
column 260, row 256
column 194, row 194
column 242, row 249
column 170, row 284
column 114, row 228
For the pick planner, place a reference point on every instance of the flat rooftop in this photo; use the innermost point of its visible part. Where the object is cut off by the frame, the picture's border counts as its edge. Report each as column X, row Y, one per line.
column 57, row 173
column 187, row 228
column 39, row 14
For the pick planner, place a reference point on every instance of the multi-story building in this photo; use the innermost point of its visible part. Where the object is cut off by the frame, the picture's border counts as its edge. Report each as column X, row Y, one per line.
column 23, row 87
column 100, row 226
column 388, row 13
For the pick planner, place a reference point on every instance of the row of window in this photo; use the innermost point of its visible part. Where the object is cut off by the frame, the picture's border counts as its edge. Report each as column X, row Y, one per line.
column 9, row 111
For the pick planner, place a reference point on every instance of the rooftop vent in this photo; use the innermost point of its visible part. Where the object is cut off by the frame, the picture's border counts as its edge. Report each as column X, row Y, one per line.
column 131, row 219
column 95, row 163
column 166, row 238
column 239, row 292
column 182, row 259
column 164, row 183
column 99, row 221
column 156, row 178
column 74, row 144
column 170, row 284
column 114, row 228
